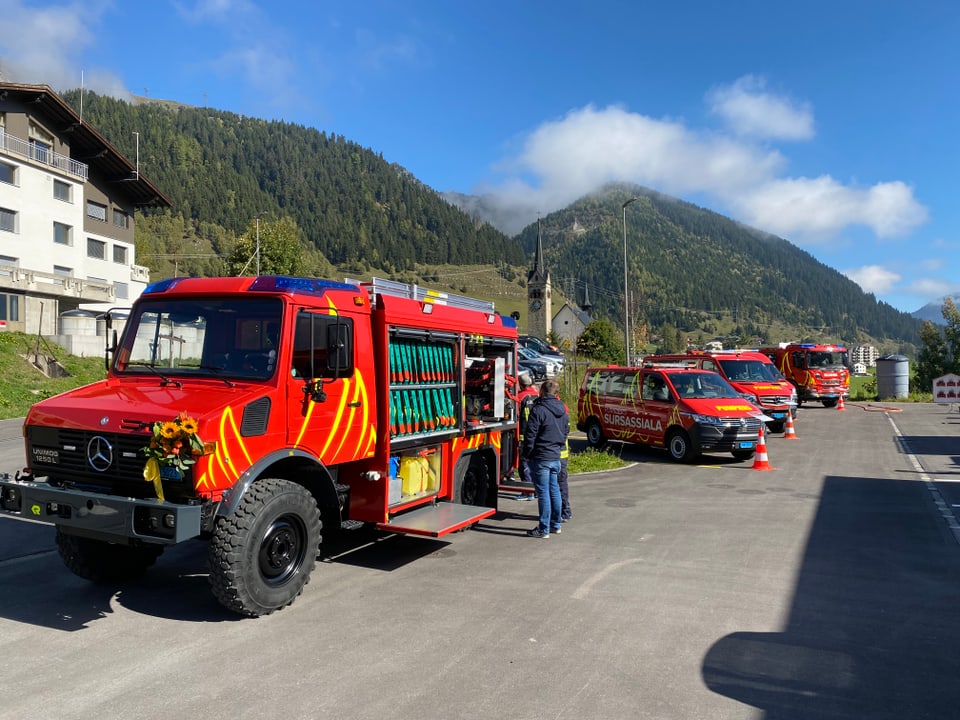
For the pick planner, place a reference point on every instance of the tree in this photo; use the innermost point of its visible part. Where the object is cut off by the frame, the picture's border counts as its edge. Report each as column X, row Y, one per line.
column 602, row 341
column 939, row 352
column 282, row 251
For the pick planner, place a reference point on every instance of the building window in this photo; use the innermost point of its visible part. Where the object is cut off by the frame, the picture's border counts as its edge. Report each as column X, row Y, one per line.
column 8, row 264
column 122, row 290
column 8, row 173
column 62, row 191
column 96, row 249
column 8, row 220
column 62, row 234
column 96, row 211
column 40, row 151
column 10, row 307
column 120, row 254
column 61, row 270
column 121, row 219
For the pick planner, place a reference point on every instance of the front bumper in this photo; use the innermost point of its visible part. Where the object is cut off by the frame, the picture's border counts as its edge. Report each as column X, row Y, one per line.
column 720, row 438
column 103, row 517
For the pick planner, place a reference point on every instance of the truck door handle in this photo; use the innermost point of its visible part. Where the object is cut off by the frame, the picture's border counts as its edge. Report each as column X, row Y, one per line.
column 356, row 403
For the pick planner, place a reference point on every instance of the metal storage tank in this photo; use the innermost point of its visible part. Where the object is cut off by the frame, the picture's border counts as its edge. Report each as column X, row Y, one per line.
column 893, row 376
column 78, row 322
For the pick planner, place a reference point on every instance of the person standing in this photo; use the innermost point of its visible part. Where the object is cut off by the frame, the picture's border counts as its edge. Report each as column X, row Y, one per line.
column 527, row 396
column 565, row 511
column 544, row 439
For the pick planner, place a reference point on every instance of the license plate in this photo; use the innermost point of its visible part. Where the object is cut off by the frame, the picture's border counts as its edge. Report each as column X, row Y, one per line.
column 746, row 445
column 777, row 416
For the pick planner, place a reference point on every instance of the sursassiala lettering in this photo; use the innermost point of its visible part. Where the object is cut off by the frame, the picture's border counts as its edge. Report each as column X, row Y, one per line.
column 639, row 423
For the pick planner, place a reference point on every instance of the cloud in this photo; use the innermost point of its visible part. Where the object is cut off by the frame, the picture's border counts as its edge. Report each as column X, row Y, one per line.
column 933, row 287
column 48, row 43
column 569, row 157
column 873, row 278
column 749, row 111
column 820, row 207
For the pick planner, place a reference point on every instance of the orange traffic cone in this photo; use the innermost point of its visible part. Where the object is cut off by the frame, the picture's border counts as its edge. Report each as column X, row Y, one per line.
column 788, row 432
column 840, row 403
column 760, row 458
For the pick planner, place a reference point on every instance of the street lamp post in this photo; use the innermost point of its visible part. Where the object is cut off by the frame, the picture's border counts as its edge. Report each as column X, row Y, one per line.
column 259, row 215
column 626, row 293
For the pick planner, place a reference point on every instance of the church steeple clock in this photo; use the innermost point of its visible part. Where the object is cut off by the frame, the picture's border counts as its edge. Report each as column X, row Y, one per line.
column 539, row 294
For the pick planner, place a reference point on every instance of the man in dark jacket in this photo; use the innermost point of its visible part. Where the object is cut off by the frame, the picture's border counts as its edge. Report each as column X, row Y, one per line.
column 544, row 438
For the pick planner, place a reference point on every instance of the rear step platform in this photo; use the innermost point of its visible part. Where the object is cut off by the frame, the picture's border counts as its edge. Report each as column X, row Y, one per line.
column 437, row 520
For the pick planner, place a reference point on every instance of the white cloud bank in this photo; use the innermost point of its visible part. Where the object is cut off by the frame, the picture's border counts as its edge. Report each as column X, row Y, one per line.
column 567, row 158
column 873, row 278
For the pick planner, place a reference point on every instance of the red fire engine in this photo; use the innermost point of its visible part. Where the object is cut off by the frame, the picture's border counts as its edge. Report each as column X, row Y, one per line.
column 253, row 412
column 819, row 372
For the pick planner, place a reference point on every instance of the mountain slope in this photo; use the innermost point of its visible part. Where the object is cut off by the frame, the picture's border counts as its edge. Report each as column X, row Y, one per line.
column 687, row 265
column 352, row 205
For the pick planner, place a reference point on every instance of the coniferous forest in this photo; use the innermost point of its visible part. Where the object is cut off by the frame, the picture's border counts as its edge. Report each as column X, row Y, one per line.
column 354, row 210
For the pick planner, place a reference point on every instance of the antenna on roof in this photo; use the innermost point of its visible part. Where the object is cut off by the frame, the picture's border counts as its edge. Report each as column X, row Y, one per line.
column 81, row 97
column 137, row 171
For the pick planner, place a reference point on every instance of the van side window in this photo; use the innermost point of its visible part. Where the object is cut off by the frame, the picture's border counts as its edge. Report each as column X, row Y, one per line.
column 618, row 385
column 655, row 388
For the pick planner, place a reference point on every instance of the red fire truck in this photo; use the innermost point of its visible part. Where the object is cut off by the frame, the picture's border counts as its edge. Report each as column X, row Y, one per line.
column 254, row 412
column 819, row 372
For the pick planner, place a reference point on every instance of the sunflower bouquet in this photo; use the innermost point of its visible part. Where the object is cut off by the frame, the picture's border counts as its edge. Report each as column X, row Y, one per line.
column 173, row 444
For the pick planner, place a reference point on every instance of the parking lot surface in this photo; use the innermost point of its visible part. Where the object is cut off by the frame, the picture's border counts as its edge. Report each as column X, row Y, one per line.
column 824, row 588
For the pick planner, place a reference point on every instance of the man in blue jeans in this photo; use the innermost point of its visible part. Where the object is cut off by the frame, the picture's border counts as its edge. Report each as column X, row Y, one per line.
column 544, row 438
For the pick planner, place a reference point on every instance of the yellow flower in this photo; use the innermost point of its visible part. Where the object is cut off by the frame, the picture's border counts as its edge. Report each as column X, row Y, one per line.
column 169, row 429
column 189, row 426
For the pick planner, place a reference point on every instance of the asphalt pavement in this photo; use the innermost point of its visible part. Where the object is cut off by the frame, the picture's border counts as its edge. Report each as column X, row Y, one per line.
column 826, row 587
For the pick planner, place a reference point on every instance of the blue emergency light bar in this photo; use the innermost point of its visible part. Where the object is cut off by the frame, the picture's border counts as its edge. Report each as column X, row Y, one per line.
column 308, row 286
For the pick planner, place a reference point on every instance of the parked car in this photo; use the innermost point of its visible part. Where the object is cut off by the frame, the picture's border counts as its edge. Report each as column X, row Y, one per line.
column 553, row 367
column 536, row 369
column 541, row 346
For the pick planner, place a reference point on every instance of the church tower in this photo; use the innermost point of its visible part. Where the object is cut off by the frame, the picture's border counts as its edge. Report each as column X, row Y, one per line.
column 539, row 294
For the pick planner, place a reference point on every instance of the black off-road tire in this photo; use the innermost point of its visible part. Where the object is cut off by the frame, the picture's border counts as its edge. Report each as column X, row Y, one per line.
column 101, row 561
column 681, row 446
column 261, row 556
column 830, row 402
column 595, row 437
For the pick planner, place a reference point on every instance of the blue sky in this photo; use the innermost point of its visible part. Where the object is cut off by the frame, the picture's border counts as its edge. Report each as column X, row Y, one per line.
column 831, row 124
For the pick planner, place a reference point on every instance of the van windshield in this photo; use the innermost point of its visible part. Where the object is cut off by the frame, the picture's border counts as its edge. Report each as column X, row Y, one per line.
column 701, row 385
column 746, row 370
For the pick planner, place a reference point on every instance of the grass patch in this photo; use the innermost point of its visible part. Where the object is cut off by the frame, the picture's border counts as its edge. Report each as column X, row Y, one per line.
column 591, row 460
column 22, row 384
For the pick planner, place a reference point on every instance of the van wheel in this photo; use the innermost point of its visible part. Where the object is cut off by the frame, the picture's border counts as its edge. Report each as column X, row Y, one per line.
column 595, row 437
column 681, row 446
column 262, row 555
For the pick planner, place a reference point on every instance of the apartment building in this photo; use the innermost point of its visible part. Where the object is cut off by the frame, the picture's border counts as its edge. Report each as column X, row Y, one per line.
column 67, row 202
column 865, row 354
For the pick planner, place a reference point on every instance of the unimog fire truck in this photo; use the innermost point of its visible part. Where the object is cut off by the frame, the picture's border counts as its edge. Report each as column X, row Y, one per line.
column 819, row 372
column 255, row 412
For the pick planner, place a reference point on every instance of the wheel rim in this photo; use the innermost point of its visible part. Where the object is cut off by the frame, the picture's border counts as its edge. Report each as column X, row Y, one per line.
column 593, row 433
column 282, row 550
column 678, row 447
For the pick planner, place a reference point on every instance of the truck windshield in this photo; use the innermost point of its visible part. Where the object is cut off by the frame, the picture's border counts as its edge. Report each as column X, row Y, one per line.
column 236, row 337
column 745, row 370
column 826, row 360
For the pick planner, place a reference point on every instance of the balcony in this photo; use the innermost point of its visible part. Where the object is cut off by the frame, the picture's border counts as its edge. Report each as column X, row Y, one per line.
column 39, row 154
